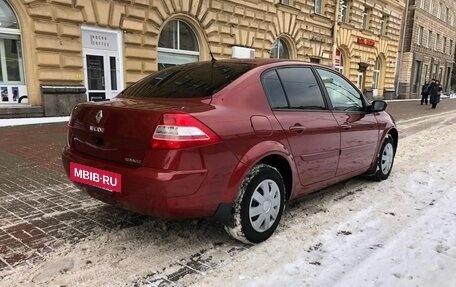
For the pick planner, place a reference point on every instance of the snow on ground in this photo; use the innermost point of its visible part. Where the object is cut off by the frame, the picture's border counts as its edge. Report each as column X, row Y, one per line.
column 398, row 232
column 30, row 121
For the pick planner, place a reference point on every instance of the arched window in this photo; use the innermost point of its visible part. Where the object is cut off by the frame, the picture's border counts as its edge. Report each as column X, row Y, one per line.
column 339, row 62
column 280, row 50
column 11, row 66
column 177, row 45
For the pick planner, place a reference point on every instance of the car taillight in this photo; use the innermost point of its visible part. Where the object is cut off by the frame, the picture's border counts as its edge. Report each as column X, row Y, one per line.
column 175, row 131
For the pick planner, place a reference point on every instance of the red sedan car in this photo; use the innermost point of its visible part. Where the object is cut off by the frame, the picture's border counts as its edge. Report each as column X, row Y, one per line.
column 229, row 139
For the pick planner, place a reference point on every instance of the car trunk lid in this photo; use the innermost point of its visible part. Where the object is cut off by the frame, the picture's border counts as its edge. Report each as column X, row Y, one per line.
column 121, row 130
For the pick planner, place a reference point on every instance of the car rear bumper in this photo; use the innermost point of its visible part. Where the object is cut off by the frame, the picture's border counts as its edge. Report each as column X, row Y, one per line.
column 161, row 193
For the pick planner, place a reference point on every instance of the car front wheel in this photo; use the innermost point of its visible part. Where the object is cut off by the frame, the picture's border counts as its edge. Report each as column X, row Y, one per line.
column 259, row 205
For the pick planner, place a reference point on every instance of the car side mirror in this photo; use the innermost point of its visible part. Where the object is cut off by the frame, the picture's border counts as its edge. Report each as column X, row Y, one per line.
column 378, row 106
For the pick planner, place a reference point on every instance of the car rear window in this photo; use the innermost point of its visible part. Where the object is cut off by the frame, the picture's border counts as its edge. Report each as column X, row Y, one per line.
column 197, row 80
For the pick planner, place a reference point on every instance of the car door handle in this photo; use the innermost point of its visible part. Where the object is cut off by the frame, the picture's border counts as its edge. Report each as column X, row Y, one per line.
column 297, row 128
column 346, row 126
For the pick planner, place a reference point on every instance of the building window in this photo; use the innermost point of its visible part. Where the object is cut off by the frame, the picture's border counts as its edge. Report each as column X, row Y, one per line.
column 424, row 74
column 434, row 71
column 431, row 6
column 339, row 62
column 447, row 14
column 365, row 18
column 422, row 4
column 451, row 47
column 428, row 40
column 285, row 2
column 11, row 63
column 383, row 24
column 318, row 7
column 416, row 76
column 420, row 35
column 436, row 43
column 439, row 10
column 376, row 73
column 177, row 45
column 343, row 10
column 280, row 49
column 444, row 44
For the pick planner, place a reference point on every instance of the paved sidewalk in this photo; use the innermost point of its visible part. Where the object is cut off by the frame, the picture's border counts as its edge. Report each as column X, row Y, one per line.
column 39, row 207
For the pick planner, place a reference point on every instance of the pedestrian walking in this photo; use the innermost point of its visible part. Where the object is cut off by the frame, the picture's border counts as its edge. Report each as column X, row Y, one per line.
column 435, row 92
column 425, row 93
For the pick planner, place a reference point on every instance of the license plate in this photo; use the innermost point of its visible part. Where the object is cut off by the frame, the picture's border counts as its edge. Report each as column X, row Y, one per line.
column 95, row 177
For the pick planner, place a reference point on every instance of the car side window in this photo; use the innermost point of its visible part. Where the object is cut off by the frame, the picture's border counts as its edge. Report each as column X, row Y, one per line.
column 274, row 90
column 343, row 96
column 301, row 88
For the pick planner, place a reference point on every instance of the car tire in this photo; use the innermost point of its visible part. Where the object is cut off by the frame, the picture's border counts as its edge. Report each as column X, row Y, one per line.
column 385, row 160
column 259, row 205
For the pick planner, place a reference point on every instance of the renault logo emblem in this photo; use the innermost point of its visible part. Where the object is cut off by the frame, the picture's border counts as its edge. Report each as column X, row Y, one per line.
column 99, row 116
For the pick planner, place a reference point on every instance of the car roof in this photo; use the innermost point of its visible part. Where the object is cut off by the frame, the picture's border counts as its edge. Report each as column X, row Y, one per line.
column 255, row 62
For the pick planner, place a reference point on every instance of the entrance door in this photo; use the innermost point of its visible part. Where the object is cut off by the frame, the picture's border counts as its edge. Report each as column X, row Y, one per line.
column 102, row 75
column 360, row 81
column 102, row 64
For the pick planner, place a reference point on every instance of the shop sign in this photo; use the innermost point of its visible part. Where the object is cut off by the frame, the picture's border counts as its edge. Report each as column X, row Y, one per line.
column 366, row 42
column 99, row 40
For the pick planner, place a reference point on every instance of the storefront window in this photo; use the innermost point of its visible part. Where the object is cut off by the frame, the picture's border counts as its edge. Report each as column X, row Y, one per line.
column 13, row 59
column 11, row 64
column 280, row 50
column 177, row 45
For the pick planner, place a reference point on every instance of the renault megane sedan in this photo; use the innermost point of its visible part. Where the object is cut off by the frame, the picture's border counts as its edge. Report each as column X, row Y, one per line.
column 231, row 139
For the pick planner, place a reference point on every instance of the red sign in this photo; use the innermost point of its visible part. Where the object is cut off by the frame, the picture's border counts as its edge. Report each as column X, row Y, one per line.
column 366, row 42
column 95, row 177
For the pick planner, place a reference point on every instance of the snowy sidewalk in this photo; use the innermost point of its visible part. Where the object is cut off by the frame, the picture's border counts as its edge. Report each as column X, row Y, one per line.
column 32, row 121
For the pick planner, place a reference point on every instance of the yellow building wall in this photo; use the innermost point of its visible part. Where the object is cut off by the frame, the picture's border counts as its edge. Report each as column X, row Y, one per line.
column 52, row 46
column 385, row 46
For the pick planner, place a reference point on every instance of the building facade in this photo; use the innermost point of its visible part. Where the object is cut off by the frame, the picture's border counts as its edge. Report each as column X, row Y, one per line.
column 429, row 46
column 367, row 44
column 55, row 53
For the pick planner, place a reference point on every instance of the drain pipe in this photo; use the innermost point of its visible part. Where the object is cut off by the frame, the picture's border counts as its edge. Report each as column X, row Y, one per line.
column 335, row 28
column 398, row 66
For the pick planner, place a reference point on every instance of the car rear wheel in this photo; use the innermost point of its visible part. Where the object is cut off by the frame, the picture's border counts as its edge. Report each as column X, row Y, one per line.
column 385, row 160
column 259, row 206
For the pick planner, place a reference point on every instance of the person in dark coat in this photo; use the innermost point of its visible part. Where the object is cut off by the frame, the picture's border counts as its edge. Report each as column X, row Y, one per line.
column 425, row 93
column 435, row 92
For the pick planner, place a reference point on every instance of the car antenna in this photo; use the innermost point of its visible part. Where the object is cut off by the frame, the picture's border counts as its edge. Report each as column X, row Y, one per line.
column 212, row 56
column 213, row 60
